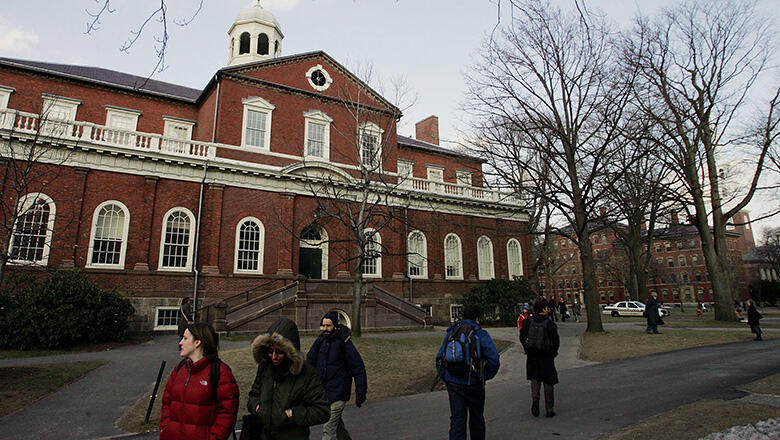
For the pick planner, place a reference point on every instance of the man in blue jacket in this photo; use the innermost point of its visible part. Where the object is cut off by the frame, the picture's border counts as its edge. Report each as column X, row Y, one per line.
column 467, row 391
column 337, row 362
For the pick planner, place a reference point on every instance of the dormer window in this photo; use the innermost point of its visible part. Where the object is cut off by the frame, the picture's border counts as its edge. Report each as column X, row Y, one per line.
column 256, row 130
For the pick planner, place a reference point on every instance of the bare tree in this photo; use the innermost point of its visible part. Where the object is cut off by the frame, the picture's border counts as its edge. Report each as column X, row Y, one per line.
column 698, row 63
column 550, row 103
column 368, row 202
column 30, row 159
column 769, row 249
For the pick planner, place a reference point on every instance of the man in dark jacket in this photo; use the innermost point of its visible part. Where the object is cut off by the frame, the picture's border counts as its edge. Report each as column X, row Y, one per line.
column 467, row 392
column 337, row 362
column 753, row 317
column 287, row 396
column 651, row 310
column 540, row 364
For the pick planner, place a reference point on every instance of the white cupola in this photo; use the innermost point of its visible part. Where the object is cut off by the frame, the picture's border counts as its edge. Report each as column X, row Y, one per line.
column 254, row 36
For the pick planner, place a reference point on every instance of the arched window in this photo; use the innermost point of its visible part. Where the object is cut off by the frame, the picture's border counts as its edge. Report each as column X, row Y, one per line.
column 177, row 240
column 514, row 255
column 250, row 239
column 453, row 258
column 485, row 258
column 243, row 43
column 31, row 237
column 417, row 247
column 372, row 261
column 276, row 48
column 108, row 239
column 262, row 44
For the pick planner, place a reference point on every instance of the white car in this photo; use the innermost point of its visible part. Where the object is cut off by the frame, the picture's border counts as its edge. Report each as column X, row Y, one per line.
column 630, row 308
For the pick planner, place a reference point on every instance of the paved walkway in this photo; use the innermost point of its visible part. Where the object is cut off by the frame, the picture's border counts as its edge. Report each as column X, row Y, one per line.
column 587, row 399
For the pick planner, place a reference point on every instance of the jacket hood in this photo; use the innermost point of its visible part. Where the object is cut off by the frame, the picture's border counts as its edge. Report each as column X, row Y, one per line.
column 283, row 334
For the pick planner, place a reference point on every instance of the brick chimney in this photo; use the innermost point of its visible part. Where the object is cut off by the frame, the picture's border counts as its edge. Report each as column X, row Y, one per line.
column 427, row 130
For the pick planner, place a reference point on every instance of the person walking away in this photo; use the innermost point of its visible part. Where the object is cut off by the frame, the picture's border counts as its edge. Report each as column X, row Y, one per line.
column 562, row 309
column 200, row 400
column 541, row 342
column 337, row 362
column 652, row 312
column 577, row 310
column 552, row 309
column 698, row 310
column 525, row 314
column 753, row 317
column 287, row 396
column 185, row 314
column 467, row 358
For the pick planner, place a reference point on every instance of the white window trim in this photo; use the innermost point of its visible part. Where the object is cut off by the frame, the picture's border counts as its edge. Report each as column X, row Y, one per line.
column 452, row 306
column 463, row 177
column 405, row 179
column 460, row 258
column 257, row 104
column 188, row 266
column 328, row 78
column 112, row 112
column 322, row 244
column 173, row 122
column 512, row 275
column 492, row 268
column 261, row 257
column 24, row 204
column 424, row 255
column 125, row 229
column 436, row 170
column 5, row 96
column 317, row 117
column 164, row 327
column 52, row 101
column 370, row 128
column 376, row 238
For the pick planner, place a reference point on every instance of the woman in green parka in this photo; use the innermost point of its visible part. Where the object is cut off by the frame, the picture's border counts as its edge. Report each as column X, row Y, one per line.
column 287, row 396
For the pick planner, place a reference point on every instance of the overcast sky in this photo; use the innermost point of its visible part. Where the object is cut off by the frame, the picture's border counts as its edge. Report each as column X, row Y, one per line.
column 430, row 43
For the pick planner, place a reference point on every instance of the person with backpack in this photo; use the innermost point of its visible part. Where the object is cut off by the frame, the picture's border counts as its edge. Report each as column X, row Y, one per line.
column 540, row 340
column 753, row 318
column 337, row 362
column 287, row 396
column 467, row 358
column 200, row 400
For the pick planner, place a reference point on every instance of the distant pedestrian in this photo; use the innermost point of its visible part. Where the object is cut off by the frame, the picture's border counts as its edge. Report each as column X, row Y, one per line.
column 653, row 314
column 699, row 310
column 287, row 396
column 337, row 362
column 753, row 317
column 577, row 311
column 185, row 315
column 552, row 308
column 467, row 358
column 200, row 400
column 540, row 340
column 525, row 314
column 563, row 310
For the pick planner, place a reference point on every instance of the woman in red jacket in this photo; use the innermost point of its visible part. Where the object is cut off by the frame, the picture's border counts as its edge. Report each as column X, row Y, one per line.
column 192, row 407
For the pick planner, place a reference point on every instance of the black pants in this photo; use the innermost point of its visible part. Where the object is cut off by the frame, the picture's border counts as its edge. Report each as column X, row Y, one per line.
column 549, row 397
column 463, row 399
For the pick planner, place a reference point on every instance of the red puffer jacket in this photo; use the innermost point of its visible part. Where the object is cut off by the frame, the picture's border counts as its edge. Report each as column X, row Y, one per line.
column 189, row 409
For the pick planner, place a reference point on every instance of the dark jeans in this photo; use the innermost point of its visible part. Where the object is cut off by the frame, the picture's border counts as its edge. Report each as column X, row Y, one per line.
column 549, row 394
column 464, row 398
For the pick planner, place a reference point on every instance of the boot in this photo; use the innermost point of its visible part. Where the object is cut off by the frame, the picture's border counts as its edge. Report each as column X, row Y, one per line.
column 535, row 408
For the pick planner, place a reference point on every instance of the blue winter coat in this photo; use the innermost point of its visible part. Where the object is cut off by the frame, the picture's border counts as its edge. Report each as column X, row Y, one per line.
column 337, row 361
column 488, row 352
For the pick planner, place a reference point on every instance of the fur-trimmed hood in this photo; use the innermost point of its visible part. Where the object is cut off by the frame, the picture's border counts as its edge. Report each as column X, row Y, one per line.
column 283, row 334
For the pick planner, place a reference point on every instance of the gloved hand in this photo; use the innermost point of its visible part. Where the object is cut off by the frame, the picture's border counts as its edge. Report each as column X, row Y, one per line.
column 360, row 399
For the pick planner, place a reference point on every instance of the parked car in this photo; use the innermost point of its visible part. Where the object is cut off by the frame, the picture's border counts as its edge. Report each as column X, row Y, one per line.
column 630, row 308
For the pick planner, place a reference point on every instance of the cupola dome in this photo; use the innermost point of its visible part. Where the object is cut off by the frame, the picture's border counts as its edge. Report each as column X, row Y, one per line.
column 254, row 36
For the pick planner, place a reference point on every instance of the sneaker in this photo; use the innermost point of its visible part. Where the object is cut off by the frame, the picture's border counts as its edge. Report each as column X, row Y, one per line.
column 535, row 408
column 550, row 414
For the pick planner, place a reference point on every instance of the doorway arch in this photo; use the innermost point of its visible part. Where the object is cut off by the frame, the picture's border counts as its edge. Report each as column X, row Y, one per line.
column 343, row 317
column 313, row 252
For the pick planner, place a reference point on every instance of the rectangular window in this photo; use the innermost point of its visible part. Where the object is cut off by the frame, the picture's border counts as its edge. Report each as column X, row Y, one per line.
column 167, row 318
column 58, row 115
column 456, row 312
column 404, row 172
column 315, row 141
column 435, row 174
column 255, row 128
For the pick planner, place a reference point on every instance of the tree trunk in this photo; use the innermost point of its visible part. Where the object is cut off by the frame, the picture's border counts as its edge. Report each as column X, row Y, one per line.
column 357, row 296
column 588, row 278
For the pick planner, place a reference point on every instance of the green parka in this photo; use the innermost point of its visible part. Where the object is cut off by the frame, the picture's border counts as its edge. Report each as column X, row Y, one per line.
column 294, row 385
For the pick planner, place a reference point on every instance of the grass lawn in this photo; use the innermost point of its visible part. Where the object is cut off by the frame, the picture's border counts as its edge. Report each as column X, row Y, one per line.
column 395, row 367
column 21, row 386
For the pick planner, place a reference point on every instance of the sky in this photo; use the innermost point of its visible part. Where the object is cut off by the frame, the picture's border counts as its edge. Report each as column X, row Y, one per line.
column 429, row 44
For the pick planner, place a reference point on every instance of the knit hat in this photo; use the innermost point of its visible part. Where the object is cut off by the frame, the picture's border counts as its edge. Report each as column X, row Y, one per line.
column 333, row 316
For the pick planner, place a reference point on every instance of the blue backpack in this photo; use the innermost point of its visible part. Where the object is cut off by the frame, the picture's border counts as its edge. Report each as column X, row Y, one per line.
column 461, row 351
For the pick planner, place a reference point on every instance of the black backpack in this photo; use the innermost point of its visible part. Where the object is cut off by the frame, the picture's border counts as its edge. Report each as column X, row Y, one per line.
column 461, row 350
column 213, row 375
column 538, row 337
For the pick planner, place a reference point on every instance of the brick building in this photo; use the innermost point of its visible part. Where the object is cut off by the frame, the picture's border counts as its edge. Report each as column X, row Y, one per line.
column 165, row 191
column 677, row 269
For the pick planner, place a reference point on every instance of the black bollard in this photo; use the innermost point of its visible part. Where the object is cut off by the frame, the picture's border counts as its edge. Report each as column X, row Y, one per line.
column 154, row 392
